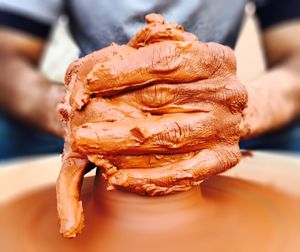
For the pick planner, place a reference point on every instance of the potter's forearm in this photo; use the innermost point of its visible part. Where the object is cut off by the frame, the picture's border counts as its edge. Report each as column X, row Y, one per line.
column 27, row 95
column 273, row 99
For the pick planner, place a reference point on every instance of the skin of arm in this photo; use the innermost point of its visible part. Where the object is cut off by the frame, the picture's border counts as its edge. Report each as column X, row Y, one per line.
column 25, row 93
column 274, row 97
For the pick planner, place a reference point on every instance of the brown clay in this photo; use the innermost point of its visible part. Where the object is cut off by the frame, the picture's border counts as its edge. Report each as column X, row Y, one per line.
column 223, row 214
column 158, row 115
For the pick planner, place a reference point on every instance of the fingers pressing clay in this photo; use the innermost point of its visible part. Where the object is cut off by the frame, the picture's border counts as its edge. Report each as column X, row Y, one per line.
column 160, row 59
column 170, row 133
column 161, row 62
column 177, row 177
column 76, row 75
column 158, row 115
column 69, row 206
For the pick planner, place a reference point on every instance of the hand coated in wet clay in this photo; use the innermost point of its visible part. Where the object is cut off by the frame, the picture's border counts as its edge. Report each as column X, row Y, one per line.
column 159, row 115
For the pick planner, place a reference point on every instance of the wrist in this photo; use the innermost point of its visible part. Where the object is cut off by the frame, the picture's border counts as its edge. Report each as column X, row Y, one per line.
column 273, row 101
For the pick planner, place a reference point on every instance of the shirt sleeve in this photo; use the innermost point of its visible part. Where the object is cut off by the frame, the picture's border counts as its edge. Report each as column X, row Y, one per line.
column 31, row 16
column 277, row 11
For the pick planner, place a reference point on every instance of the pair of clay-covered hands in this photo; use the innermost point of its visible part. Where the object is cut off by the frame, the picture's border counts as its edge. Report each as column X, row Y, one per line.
column 159, row 115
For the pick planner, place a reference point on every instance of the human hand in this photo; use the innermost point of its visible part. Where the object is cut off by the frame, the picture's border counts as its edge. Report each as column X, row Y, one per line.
column 159, row 115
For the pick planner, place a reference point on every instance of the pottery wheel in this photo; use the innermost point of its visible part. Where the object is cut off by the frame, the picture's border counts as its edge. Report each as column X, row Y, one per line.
column 235, row 215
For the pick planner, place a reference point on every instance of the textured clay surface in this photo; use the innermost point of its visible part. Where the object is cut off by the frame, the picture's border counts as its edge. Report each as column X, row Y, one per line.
column 158, row 116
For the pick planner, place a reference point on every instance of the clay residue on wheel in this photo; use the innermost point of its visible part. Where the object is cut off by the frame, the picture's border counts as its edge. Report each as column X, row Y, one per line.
column 158, row 115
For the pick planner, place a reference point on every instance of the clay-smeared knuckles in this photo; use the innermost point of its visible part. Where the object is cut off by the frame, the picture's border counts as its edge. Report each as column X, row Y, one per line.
column 76, row 75
column 158, row 115
column 153, row 64
column 170, row 133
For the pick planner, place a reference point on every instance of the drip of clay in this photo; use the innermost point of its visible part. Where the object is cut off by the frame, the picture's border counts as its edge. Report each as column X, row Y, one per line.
column 158, row 116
